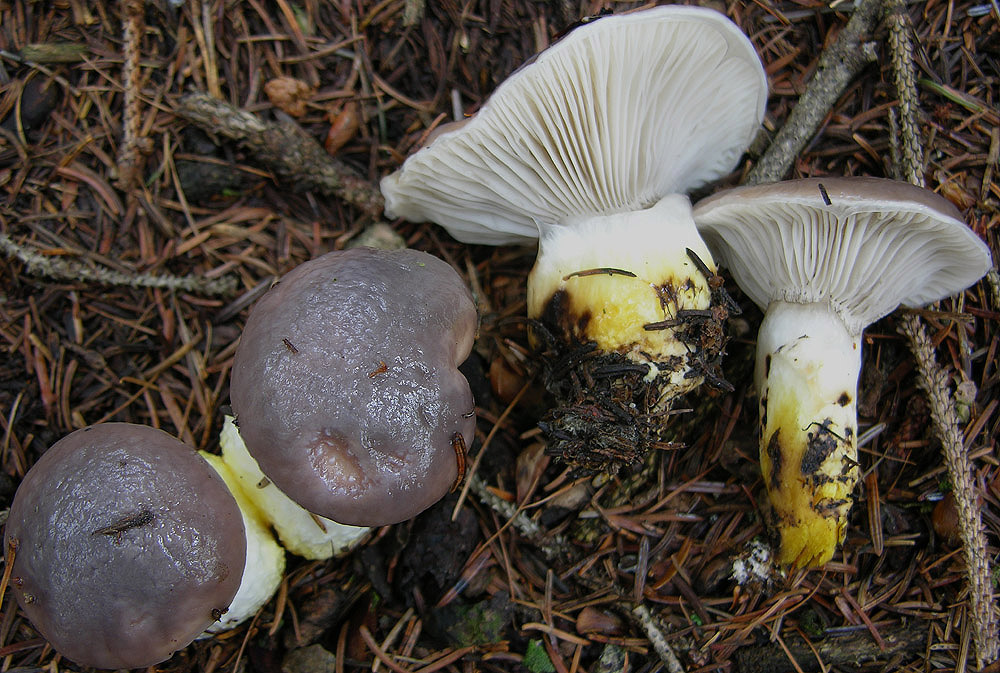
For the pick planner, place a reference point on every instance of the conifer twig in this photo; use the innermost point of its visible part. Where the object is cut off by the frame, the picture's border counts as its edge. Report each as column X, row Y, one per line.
column 59, row 268
column 838, row 65
column 933, row 378
column 133, row 147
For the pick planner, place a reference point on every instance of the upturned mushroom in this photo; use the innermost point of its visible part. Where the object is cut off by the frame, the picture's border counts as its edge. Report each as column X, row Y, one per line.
column 824, row 258
column 126, row 546
column 588, row 150
column 346, row 385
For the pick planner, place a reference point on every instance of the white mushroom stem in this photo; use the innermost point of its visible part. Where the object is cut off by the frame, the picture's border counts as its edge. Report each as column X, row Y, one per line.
column 609, row 278
column 301, row 532
column 807, row 369
column 265, row 562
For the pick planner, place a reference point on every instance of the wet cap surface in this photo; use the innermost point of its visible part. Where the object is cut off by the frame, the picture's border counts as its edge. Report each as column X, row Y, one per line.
column 346, row 384
column 127, row 541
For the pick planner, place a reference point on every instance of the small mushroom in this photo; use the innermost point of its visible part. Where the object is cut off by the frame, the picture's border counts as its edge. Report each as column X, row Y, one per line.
column 824, row 258
column 126, row 545
column 588, row 150
column 346, row 385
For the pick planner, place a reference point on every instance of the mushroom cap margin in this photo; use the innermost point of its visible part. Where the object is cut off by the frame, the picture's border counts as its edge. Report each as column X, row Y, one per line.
column 865, row 245
column 592, row 126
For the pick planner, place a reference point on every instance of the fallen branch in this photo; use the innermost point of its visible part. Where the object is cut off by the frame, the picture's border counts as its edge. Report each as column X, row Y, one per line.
column 284, row 148
column 838, row 65
column 845, row 652
column 59, row 268
column 933, row 379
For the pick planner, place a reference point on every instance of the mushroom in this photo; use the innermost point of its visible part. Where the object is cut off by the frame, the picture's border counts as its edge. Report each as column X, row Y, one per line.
column 126, row 545
column 588, row 150
column 824, row 258
column 346, row 386
column 301, row 532
column 265, row 562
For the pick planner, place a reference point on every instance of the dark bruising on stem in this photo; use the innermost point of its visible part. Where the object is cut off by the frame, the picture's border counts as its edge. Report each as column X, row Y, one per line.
column 559, row 322
column 136, row 520
column 775, row 456
column 820, row 446
column 607, row 414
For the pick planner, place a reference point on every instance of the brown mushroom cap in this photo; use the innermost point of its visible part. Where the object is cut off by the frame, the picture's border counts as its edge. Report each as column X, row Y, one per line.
column 128, row 545
column 346, row 384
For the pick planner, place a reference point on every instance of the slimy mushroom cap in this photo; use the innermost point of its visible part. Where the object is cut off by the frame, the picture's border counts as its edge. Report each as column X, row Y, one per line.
column 346, row 384
column 128, row 545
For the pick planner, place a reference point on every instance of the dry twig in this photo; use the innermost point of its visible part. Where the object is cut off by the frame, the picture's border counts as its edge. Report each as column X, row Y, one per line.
column 61, row 269
column 838, row 65
column 934, row 381
column 285, row 148
column 657, row 639
column 933, row 378
column 133, row 148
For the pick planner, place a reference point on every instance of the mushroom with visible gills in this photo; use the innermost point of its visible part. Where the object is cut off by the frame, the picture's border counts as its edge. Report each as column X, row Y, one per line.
column 824, row 258
column 127, row 545
column 346, row 385
column 589, row 150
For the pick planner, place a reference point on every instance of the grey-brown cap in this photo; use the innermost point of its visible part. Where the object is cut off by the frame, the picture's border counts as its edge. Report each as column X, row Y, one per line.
column 128, row 545
column 346, row 385
column 865, row 245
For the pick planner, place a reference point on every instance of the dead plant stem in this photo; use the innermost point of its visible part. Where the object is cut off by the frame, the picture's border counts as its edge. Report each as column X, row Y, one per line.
column 933, row 379
column 133, row 148
column 657, row 639
column 838, row 65
column 283, row 147
column 58, row 268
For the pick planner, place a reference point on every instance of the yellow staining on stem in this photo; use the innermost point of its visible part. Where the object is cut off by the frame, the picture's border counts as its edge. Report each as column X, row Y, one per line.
column 808, row 456
column 605, row 278
column 612, row 310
